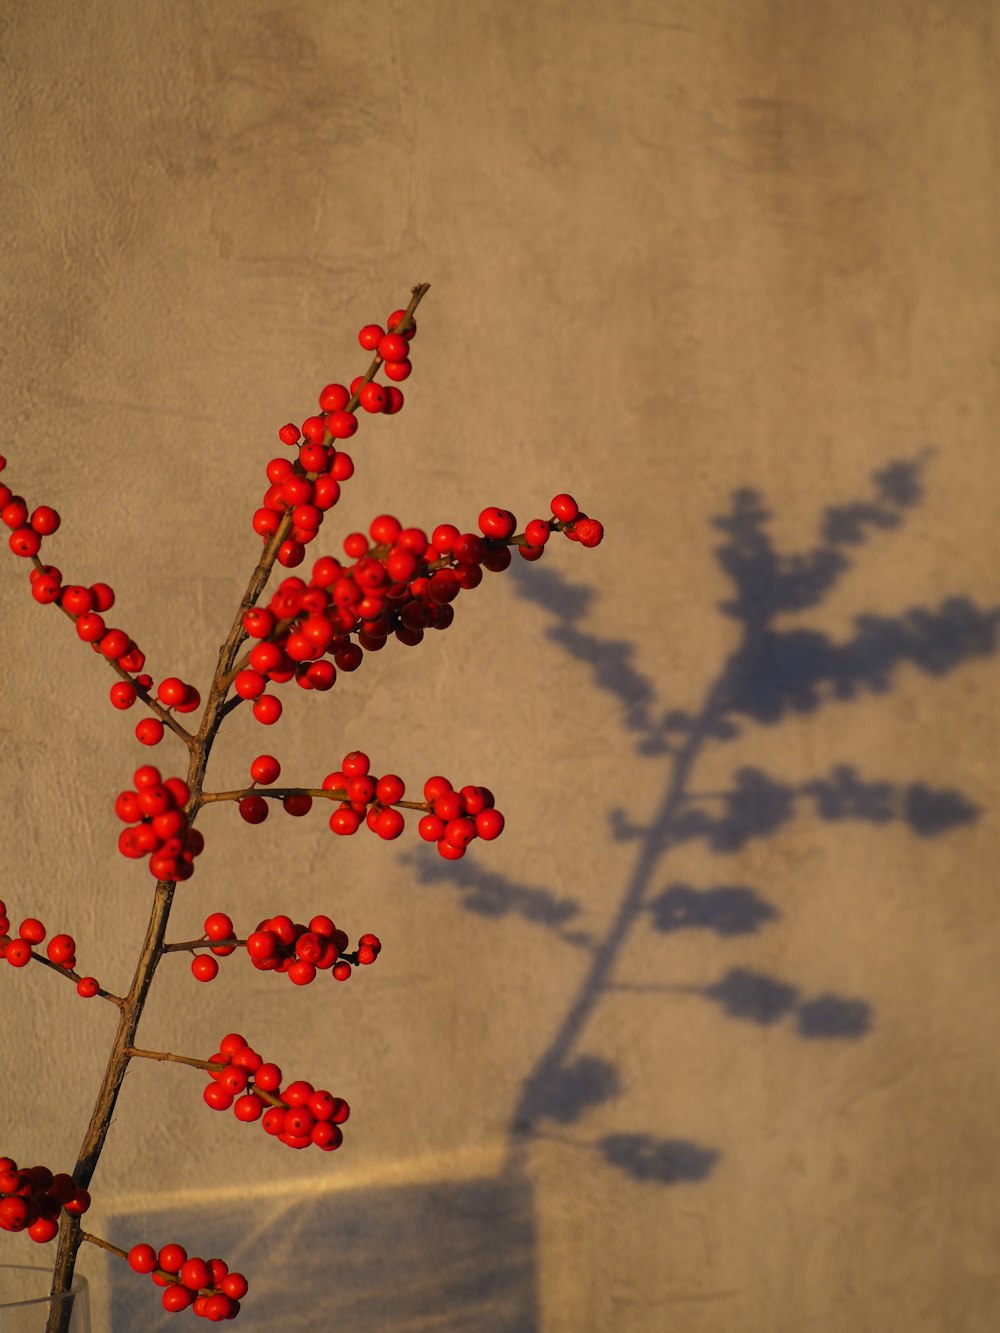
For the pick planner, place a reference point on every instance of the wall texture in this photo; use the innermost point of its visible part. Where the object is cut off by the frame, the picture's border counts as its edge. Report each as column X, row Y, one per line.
column 707, row 1041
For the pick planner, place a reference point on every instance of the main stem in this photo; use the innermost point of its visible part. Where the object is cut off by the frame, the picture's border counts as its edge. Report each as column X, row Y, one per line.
column 70, row 1232
column 199, row 747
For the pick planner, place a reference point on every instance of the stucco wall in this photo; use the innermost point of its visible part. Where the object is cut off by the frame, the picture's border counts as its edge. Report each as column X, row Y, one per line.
column 707, row 1041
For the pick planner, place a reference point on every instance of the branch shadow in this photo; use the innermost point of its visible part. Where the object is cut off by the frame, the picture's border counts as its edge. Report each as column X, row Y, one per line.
column 463, row 1253
column 776, row 670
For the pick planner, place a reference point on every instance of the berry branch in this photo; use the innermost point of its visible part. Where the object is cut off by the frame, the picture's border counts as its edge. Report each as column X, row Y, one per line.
column 395, row 582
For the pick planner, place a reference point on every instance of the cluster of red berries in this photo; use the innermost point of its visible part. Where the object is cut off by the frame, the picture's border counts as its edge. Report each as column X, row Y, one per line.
column 31, row 1199
column 400, row 583
column 60, row 950
column 306, row 489
column 86, row 607
column 26, row 532
column 205, row 1286
column 159, row 826
column 452, row 819
column 567, row 518
column 172, row 693
column 280, row 944
column 298, row 1115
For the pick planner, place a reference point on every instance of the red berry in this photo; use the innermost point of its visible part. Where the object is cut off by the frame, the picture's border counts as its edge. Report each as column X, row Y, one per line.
column 341, row 971
column 134, row 660
column 588, row 531
column 394, row 399
column 342, row 425
column 248, row 1107
column 61, row 950
column 261, row 944
column 443, row 586
column 444, row 537
column 565, row 508
column 370, row 336
column 171, row 691
column 393, row 347
column 450, row 851
column 431, row 828
column 321, row 675
column 149, row 731
column 171, row 1257
column 497, row 523
column 254, row 809
column 266, row 769
column 489, row 824
column 389, row 824
column 273, row 1121
column 18, row 953
column 114, row 644
column 356, row 764
column 45, row 520
column 45, row 589
column 314, row 429
column 15, row 513
column 297, row 805
column 497, row 559
column 176, row 1297
column 25, row 542
column 268, row 1078
column 87, row 987
column 191, row 700
column 334, row 398
column 267, row 709
column 537, row 532
column 345, row 821
column 389, row 789
column 266, row 522
column 103, row 595
column 398, row 370
column 326, row 493
column 258, row 622
column 219, row 926
column 142, row 1258
column 265, row 657
column 178, row 789
column 217, row 1098
column 291, row 554
column 90, row 627
column 43, row 1229
column 373, row 397
column 278, row 469
column 289, row 434
column 195, row 1274
column 250, row 684
column 32, row 930
column 76, row 600
column 342, row 467
column 314, row 457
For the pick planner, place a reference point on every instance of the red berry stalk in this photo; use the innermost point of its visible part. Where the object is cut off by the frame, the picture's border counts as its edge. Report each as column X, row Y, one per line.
column 397, row 582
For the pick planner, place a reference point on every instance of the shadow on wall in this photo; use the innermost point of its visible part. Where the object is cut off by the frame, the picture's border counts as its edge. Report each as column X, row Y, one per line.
column 461, row 1254
column 772, row 674
column 456, row 1257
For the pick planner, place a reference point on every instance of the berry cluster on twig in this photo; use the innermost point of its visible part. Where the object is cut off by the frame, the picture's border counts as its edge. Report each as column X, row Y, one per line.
column 298, row 1115
column 205, row 1286
column 32, row 1198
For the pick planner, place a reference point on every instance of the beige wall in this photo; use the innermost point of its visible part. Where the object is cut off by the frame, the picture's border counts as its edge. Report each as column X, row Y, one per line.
column 707, row 1041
